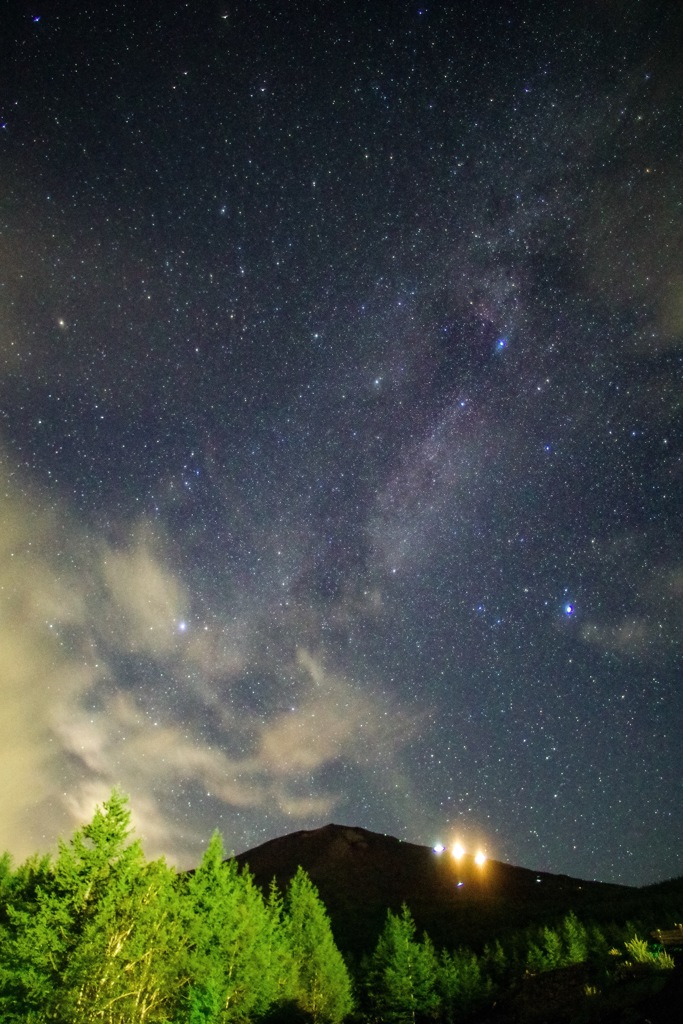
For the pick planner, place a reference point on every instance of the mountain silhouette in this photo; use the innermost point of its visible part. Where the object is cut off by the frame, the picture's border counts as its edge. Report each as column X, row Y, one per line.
column 362, row 874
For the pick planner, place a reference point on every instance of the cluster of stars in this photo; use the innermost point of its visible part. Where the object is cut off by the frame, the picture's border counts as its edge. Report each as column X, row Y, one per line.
column 341, row 358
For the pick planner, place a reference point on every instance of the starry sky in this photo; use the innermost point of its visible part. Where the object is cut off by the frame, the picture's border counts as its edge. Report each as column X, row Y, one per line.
column 340, row 423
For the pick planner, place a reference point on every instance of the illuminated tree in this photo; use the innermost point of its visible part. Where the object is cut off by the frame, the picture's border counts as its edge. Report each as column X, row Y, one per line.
column 535, row 959
column 552, row 949
column 461, row 984
column 401, row 981
column 233, row 960
column 575, row 939
column 320, row 980
column 101, row 937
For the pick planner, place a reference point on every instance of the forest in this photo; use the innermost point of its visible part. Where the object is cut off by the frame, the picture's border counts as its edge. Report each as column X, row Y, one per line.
column 99, row 933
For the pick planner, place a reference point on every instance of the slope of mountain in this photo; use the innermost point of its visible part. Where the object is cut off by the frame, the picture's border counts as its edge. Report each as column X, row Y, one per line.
column 360, row 874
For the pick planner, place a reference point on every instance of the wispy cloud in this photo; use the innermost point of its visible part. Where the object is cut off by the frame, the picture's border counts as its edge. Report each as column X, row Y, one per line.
column 74, row 611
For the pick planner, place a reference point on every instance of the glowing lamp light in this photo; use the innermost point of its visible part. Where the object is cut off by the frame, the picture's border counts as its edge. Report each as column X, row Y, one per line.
column 458, row 850
column 439, row 848
column 480, row 858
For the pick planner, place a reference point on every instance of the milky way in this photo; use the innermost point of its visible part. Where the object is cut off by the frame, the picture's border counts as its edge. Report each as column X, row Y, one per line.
column 340, row 425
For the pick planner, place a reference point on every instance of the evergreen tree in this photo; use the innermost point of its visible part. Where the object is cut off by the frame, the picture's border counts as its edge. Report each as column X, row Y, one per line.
column 6, row 875
column 45, row 931
column 596, row 942
column 535, row 959
column 280, row 965
column 462, row 984
column 18, row 905
column 98, row 941
column 402, row 973
column 495, row 963
column 123, row 957
column 321, row 983
column 552, row 948
column 575, row 939
column 232, row 961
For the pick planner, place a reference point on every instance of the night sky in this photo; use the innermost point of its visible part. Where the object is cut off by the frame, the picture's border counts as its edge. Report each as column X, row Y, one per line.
column 340, row 423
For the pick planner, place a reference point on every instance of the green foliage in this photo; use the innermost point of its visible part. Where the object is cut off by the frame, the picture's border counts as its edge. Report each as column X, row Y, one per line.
column 84, row 935
column 574, row 939
column 495, row 963
column 320, row 981
column 596, row 942
column 5, row 875
column 552, row 949
column 231, row 936
column 102, row 935
column 98, row 935
column 639, row 953
column 462, row 984
column 402, row 974
column 201, row 1004
column 98, row 939
column 535, row 959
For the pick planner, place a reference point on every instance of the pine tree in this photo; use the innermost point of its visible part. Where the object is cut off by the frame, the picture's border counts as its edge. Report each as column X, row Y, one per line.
column 462, row 984
column 280, row 966
column 100, row 939
column 535, row 959
column 321, row 983
column 495, row 963
column 18, row 906
column 402, row 973
column 124, row 957
column 231, row 962
column 575, row 939
column 552, row 949
column 46, row 931
column 596, row 942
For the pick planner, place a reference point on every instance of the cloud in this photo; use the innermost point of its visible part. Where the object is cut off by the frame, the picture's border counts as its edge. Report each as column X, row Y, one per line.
column 633, row 238
column 327, row 725
column 40, row 602
column 101, row 688
column 652, row 628
column 334, row 722
column 147, row 600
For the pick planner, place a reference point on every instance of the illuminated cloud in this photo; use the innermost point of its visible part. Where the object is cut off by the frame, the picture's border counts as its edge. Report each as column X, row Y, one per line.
column 147, row 599
column 73, row 612
column 40, row 603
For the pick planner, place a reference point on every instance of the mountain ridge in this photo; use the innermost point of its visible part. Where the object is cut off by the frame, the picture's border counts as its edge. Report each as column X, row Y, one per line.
column 361, row 874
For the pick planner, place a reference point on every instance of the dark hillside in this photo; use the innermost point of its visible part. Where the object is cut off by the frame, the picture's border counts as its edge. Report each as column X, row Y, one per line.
column 361, row 874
